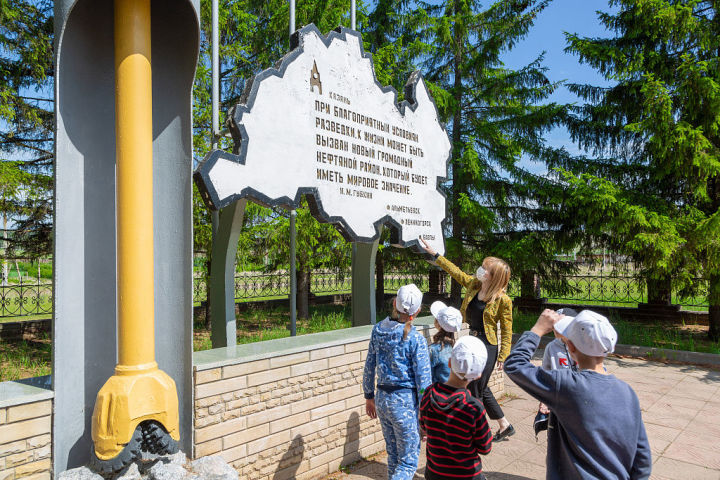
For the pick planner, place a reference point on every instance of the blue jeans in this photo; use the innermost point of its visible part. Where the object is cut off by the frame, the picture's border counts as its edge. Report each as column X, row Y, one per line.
column 398, row 415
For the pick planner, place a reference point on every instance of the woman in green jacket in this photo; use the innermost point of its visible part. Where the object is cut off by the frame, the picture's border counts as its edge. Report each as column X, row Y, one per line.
column 485, row 305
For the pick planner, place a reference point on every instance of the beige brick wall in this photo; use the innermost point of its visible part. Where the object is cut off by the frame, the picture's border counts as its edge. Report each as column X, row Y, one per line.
column 298, row 415
column 25, row 450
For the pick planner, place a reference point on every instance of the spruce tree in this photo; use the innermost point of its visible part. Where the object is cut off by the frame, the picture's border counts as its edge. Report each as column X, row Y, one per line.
column 26, row 125
column 654, row 184
column 496, row 117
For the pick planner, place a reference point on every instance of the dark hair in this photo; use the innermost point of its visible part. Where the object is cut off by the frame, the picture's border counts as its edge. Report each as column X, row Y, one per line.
column 447, row 338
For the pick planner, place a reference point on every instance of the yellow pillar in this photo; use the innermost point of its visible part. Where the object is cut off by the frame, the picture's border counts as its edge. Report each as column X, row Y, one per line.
column 133, row 110
column 138, row 392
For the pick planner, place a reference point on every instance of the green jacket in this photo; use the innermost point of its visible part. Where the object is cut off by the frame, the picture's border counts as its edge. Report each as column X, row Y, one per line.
column 499, row 310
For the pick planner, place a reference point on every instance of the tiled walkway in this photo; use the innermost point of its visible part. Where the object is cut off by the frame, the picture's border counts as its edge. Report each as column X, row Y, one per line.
column 681, row 410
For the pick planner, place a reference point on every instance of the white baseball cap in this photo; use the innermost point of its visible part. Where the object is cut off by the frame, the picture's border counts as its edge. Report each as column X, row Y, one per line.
column 449, row 318
column 590, row 332
column 468, row 357
column 409, row 299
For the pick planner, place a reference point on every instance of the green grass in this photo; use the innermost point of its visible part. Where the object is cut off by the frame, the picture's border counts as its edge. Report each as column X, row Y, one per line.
column 25, row 358
column 691, row 338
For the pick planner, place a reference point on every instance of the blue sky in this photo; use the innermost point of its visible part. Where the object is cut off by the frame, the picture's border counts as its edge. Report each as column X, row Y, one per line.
column 573, row 16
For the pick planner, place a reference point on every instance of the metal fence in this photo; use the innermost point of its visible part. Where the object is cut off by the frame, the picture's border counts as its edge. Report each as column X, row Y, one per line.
column 621, row 291
column 253, row 286
column 26, row 299
column 23, row 299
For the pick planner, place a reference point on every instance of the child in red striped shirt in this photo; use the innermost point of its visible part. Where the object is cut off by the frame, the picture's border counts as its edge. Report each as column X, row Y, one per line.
column 454, row 421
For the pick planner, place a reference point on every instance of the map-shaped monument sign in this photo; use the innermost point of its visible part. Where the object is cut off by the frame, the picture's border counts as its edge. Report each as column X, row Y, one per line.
column 320, row 124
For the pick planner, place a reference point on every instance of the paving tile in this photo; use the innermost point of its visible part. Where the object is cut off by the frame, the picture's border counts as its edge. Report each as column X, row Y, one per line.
column 676, row 418
column 670, row 468
column 675, row 399
column 518, row 470
column 692, row 453
column 681, row 406
column 659, row 432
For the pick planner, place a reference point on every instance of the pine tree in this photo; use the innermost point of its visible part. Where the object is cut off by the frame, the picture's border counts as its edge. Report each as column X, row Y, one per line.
column 496, row 117
column 26, row 124
column 654, row 184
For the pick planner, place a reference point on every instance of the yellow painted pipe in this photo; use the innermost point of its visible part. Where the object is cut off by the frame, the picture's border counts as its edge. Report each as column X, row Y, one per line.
column 133, row 123
column 139, row 391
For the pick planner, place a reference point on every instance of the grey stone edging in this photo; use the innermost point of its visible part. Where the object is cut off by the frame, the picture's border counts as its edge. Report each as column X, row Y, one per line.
column 652, row 353
column 28, row 390
column 220, row 357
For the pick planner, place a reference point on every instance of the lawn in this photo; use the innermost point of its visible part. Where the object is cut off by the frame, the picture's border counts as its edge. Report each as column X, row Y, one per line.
column 32, row 356
column 692, row 338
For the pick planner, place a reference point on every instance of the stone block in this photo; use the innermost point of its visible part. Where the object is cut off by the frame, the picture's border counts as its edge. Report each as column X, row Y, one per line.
column 292, row 359
column 19, row 458
column 43, row 452
column 233, row 454
column 309, row 404
column 208, row 448
column 246, row 368
column 326, row 410
column 344, row 360
column 3, row 415
column 25, row 429
column 39, row 476
column 309, row 367
column 12, row 447
column 33, row 467
column 291, row 472
column 326, row 458
column 268, row 376
column 269, row 415
column 310, row 427
column 269, row 441
column 206, row 376
column 289, row 422
column 357, row 346
column 39, row 441
column 220, row 387
column 219, row 430
column 314, row 473
column 242, row 436
column 327, row 352
column 29, row 410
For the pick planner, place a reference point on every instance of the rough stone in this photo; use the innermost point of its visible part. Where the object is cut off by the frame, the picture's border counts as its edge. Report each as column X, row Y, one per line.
column 167, row 471
column 213, row 468
column 131, row 472
column 80, row 473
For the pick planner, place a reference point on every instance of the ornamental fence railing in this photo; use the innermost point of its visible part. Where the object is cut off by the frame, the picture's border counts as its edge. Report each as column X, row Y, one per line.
column 23, row 299
column 29, row 299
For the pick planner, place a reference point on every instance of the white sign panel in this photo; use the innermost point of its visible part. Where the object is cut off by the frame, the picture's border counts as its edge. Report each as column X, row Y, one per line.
column 320, row 124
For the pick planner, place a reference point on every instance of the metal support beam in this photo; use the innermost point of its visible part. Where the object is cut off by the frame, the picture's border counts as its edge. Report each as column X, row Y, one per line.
column 222, row 275
column 293, row 275
column 352, row 14
column 363, row 283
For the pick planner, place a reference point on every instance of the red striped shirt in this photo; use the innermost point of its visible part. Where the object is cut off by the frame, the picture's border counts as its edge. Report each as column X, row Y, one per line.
column 457, row 431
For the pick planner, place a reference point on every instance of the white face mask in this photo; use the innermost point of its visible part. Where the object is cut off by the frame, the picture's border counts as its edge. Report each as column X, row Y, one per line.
column 480, row 273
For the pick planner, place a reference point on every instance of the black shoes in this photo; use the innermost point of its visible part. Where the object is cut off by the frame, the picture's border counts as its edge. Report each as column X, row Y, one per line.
column 499, row 436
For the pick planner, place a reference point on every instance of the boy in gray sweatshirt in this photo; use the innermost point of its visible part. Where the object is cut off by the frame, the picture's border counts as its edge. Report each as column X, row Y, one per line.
column 599, row 432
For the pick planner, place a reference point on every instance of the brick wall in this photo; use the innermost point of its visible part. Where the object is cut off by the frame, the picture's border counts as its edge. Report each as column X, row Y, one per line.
column 295, row 414
column 25, row 450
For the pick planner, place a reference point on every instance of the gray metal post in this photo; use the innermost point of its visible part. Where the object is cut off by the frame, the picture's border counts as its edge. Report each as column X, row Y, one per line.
column 293, row 275
column 363, row 283
column 215, row 76
column 84, row 326
column 292, row 17
column 222, row 275
column 352, row 14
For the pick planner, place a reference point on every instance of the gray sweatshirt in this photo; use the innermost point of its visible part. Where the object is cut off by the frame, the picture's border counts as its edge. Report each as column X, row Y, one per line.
column 599, row 432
